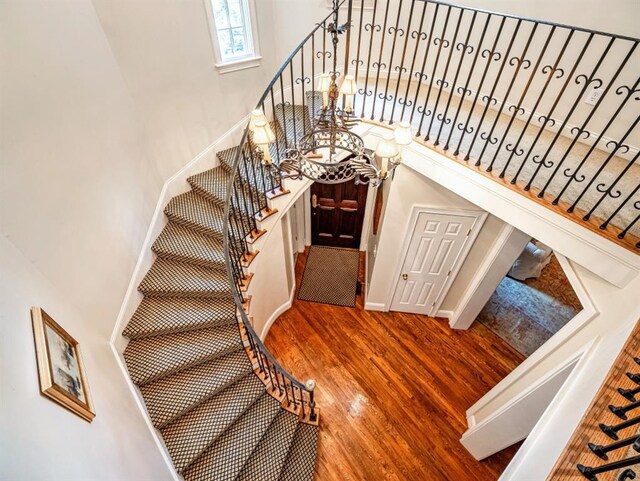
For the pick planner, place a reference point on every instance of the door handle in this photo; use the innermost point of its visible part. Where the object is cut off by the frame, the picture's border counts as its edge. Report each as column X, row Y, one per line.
column 314, row 201
column 405, row 277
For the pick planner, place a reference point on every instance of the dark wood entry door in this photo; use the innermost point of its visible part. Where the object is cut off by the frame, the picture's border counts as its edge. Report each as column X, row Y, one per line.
column 337, row 212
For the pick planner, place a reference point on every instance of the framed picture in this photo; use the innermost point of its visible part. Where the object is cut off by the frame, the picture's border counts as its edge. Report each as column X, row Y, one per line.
column 60, row 369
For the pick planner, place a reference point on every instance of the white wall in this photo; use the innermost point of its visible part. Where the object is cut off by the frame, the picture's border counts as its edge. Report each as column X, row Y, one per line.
column 100, row 103
column 39, row 439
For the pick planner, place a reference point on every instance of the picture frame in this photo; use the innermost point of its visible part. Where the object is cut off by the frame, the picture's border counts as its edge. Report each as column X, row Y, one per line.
column 60, row 369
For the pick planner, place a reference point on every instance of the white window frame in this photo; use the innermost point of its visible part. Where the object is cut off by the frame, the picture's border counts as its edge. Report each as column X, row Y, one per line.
column 240, row 63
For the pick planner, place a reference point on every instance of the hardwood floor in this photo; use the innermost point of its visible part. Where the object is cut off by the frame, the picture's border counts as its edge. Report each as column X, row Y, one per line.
column 392, row 389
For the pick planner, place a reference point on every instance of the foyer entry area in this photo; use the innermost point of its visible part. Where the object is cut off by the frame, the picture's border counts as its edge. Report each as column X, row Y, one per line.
column 393, row 388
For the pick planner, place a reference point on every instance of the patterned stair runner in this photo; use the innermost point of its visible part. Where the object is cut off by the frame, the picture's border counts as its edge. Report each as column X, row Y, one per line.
column 216, row 416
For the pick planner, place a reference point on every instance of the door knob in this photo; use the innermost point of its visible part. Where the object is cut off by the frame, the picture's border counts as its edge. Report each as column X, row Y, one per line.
column 314, row 201
column 405, row 277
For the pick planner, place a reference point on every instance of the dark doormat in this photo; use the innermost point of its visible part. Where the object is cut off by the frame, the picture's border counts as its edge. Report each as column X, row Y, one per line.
column 330, row 276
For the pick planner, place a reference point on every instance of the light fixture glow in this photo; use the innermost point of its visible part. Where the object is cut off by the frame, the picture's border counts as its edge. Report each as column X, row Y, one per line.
column 349, row 89
column 402, row 134
column 262, row 137
column 256, row 116
column 324, row 85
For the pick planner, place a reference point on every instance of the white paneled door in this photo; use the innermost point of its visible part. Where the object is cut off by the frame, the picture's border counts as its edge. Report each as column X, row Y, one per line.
column 436, row 249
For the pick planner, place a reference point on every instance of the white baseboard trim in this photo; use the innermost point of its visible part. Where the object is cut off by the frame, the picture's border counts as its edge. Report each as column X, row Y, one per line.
column 277, row 313
column 375, row 306
column 147, row 419
column 446, row 314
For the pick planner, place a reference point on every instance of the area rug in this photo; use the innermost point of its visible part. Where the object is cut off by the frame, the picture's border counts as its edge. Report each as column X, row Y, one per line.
column 330, row 276
column 526, row 314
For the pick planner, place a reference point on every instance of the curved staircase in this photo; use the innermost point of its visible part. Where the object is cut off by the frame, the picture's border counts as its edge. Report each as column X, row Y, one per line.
column 218, row 412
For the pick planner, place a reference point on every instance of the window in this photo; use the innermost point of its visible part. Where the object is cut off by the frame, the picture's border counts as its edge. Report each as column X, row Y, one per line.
column 234, row 35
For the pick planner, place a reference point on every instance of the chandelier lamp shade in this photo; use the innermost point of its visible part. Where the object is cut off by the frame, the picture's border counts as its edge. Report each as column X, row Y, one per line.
column 331, row 153
column 256, row 116
column 262, row 137
column 349, row 89
column 324, row 86
column 402, row 134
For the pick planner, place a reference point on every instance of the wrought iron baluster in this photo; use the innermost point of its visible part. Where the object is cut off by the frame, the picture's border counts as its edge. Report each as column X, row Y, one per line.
column 463, row 48
column 358, row 63
column 279, row 150
column 550, row 71
column 379, row 65
column 591, row 472
column 313, row 77
column 419, row 34
column 582, row 129
column 293, row 104
column 347, row 43
column 630, row 394
column 283, row 110
column 464, row 91
column 490, row 97
column 618, row 145
column 401, row 68
column 373, row 27
column 440, row 42
column 587, row 82
column 519, row 61
column 396, row 29
column 491, row 55
column 443, row 80
column 626, row 230
column 421, row 75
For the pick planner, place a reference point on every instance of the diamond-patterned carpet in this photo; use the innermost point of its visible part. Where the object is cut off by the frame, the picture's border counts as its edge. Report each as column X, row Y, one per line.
column 330, row 276
column 185, row 352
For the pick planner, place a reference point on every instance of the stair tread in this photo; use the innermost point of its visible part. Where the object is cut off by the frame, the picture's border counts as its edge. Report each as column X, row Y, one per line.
column 154, row 357
column 267, row 461
column 177, row 242
column 173, row 395
column 192, row 433
column 301, row 460
column 194, row 211
column 212, row 184
column 173, row 279
column 224, row 459
column 160, row 315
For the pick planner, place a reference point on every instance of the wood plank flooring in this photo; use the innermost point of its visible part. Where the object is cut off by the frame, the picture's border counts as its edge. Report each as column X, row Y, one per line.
column 392, row 389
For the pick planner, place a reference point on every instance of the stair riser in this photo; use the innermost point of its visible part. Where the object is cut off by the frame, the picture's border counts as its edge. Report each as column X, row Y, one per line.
column 187, row 294
column 197, row 227
column 163, row 374
column 191, row 328
column 219, row 199
column 213, row 264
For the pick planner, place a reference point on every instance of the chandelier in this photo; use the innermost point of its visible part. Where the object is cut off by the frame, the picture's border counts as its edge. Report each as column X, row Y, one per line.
column 331, row 152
